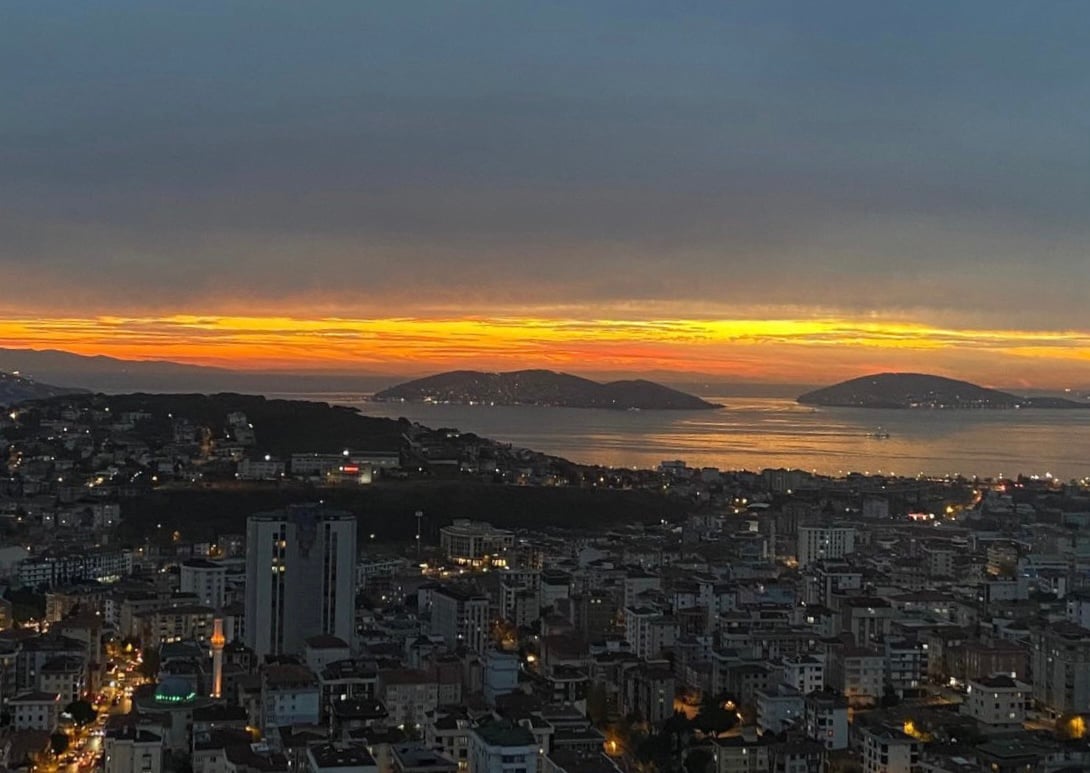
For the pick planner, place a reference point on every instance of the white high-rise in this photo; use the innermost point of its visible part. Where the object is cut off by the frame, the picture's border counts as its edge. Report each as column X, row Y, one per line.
column 205, row 579
column 300, row 577
column 818, row 543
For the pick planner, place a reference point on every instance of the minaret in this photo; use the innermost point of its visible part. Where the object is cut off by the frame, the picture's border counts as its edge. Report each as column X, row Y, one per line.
column 217, row 641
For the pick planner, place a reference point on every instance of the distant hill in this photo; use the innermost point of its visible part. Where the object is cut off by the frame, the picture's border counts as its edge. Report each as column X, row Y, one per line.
column 920, row 390
column 16, row 389
column 112, row 375
column 542, row 388
column 283, row 427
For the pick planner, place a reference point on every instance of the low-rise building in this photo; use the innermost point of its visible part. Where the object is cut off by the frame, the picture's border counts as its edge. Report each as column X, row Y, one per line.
column 648, row 691
column 207, row 580
column 130, row 749
column 887, row 750
column 502, row 747
column 35, row 711
column 340, row 758
column 289, row 696
column 408, row 694
column 65, row 675
column 997, row 701
column 417, row 758
column 826, row 719
column 778, row 708
column 805, row 673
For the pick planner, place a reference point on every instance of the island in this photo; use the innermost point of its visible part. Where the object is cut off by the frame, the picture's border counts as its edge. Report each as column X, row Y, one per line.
column 921, row 390
column 541, row 388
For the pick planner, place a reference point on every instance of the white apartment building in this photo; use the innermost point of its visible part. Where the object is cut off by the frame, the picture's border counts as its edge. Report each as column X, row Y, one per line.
column 637, row 581
column 133, row 750
column 824, row 542
column 460, row 616
column 207, row 580
column 35, row 711
column 906, row 664
column 64, row 675
column 826, row 719
column 997, row 701
column 501, row 747
column 889, row 751
column 805, row 673
column 408, row 695
column 289, row 696
column 648, row 631
column 861, row 676
column 778, row 708
column 1061, row 667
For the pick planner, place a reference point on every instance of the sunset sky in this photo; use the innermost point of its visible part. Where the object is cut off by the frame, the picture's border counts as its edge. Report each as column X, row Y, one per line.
column 781, row 191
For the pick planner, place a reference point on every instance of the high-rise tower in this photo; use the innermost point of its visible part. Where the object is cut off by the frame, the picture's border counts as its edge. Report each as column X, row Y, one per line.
column 300, row 577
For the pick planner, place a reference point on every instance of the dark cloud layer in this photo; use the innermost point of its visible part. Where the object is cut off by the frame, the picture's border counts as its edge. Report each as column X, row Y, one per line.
column 853, row 155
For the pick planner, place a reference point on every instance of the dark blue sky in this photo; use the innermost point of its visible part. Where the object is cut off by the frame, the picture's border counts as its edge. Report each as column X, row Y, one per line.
column 924, row 159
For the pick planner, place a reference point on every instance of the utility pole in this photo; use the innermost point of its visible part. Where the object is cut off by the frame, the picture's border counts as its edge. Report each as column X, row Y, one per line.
column 419, row 546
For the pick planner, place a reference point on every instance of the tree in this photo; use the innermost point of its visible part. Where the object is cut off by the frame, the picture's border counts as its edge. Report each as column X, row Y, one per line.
column 149, row 665
column 714, row 716
column 676, row 729
column 82, row 712
column 890, row 697
column 26, row 604
column 59, row 743
column 699, row 760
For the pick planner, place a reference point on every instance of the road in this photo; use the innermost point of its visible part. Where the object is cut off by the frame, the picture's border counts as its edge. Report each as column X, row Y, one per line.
column 85, row 749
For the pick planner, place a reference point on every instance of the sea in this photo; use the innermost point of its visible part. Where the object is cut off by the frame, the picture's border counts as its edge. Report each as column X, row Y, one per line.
column 754, row 433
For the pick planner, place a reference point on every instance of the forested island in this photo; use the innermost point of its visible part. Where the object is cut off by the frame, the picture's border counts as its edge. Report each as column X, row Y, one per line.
column 921, row 390
column 542, row 388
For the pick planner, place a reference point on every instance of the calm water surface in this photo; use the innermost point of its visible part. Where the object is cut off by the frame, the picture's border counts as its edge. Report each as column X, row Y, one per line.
column 754, row 433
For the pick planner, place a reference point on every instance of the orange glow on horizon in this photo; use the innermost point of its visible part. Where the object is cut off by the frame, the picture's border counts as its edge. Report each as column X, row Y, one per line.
column 743, row 349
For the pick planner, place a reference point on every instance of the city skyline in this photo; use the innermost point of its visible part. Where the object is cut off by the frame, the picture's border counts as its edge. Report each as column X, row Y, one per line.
column 768, row 192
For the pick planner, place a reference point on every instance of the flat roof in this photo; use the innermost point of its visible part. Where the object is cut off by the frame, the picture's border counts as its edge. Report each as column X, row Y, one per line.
column 340, row 755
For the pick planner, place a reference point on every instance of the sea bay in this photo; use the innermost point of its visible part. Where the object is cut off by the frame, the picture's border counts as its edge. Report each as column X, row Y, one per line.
column 758, row 432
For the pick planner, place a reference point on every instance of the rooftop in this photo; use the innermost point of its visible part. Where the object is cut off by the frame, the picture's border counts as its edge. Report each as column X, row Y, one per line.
column 200, row 563
column 358, row 708
column 570, row 762
column 416, row 756
column 997, row 680
column 505, row 734
column 289, row 675
column 339, row 755
column 326, row 641
column 257, row 757
column 36, row 696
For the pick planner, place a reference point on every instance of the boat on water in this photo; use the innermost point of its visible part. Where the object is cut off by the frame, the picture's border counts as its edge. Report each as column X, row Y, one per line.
column 880, row 434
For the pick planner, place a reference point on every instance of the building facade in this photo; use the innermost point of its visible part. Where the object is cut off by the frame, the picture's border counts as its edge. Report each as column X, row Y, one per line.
column 300, row 578
column 824, row 542
column 207, row 580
